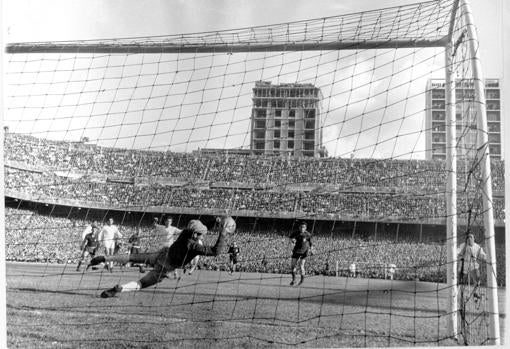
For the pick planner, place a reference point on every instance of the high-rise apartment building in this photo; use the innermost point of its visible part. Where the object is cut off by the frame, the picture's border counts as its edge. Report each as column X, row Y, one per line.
column 435, row 118
column 285, row 120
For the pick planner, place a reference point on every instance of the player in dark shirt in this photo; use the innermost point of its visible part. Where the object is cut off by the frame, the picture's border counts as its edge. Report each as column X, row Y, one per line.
column 233, row 253
column 167, row 259
column 89, row 246
column 302, row 248
column 134, row 241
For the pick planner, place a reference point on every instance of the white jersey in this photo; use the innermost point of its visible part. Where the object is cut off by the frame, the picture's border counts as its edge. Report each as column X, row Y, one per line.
column 108, row 235
column 471, row 256
column 166, row 235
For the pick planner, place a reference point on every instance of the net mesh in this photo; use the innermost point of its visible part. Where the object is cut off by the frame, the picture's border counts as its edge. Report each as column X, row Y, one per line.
column 321, row 120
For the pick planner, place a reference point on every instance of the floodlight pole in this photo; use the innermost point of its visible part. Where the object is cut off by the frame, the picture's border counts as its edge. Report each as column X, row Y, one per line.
column 485, row 166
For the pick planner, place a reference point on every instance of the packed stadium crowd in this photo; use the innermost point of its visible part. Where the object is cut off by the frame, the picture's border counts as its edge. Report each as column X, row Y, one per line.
column 265, row 171
column 36, row 237
column 358, row 189
column 371, row 205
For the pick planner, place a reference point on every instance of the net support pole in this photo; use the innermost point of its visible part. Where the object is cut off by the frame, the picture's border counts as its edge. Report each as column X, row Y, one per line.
column 451, row 193
column 485, row 167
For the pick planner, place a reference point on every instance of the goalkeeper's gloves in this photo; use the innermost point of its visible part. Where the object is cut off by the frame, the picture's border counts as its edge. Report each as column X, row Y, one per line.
column 228, row 225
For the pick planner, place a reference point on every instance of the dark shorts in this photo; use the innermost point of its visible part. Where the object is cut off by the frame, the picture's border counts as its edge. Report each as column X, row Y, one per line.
column 135, row 250
column 90, row 250
column 299, row 255
column 233, row 260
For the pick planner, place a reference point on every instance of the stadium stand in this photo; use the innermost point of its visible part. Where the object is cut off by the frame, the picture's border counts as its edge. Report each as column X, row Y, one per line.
column 55, row 239
column 83, row 175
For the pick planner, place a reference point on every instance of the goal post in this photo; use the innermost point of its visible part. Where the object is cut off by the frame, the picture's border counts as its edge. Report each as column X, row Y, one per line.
column 486, row 181
column 451, row 197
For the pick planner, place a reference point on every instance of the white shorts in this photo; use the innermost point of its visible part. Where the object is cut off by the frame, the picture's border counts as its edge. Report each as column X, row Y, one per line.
column 109, row 245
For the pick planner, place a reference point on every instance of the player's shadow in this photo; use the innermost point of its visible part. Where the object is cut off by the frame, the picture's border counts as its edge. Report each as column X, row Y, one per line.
column 80, row 292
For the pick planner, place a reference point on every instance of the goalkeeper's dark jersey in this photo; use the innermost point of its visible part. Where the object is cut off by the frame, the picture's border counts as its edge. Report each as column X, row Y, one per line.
column 303, row 241
column 185, row 248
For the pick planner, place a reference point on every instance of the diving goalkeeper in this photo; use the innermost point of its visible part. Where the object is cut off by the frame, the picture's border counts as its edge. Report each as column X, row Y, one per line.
column 183, row 250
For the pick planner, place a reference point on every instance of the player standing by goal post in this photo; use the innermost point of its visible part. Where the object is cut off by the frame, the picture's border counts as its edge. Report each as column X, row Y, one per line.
column 469, row 254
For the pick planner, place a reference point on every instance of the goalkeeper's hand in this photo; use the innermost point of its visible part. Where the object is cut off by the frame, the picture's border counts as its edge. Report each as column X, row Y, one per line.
column 227, row 225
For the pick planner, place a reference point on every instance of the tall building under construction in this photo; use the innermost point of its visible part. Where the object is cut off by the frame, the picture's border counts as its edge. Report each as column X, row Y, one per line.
column 465, row 110
column 285, row 120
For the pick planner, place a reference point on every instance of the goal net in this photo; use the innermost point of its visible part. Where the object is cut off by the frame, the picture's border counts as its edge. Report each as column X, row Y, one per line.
column 373, row 128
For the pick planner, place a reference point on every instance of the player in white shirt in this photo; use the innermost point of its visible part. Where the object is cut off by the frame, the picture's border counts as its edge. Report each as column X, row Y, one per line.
column 108, row 235
column 166, row 235
column 470, row 254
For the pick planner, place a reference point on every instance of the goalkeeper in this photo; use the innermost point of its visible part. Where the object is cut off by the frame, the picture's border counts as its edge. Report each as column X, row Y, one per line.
column 166, row 260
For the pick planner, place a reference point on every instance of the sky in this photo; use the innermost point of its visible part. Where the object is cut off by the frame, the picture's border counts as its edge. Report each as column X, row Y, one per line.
column 354, row 122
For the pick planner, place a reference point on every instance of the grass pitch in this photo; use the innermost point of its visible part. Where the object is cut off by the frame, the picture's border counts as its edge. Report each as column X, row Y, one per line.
column 54, row 306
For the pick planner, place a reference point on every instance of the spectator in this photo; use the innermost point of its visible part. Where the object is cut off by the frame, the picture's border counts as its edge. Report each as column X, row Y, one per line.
column 390, row 271
column 352, row 270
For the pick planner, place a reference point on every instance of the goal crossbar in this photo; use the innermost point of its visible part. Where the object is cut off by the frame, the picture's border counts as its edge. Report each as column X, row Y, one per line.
column 223, row 48
column 410, row 26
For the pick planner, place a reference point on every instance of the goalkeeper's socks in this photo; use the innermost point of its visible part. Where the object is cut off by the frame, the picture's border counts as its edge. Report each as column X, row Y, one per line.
column 302, row 279
column 131, row 286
